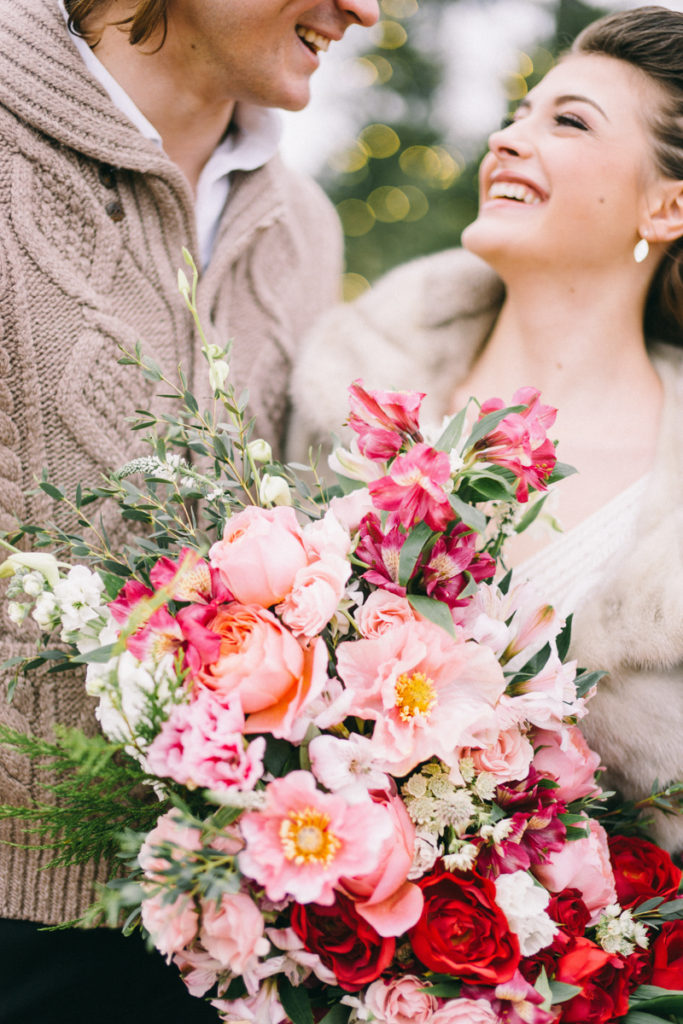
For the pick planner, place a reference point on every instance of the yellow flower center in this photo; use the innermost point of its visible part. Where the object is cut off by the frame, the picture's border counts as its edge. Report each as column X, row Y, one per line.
column 415, row 695
column 305, row 838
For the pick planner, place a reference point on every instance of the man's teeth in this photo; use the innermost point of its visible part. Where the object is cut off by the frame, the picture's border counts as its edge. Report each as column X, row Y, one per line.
column 314, row 39
column 513, row 190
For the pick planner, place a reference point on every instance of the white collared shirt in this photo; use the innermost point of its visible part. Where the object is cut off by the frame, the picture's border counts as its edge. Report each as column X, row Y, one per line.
column 253, row 143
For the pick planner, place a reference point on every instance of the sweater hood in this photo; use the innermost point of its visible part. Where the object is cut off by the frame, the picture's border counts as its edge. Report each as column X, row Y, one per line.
column 45, row 84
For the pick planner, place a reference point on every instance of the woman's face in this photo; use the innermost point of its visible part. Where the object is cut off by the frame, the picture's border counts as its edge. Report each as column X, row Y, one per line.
column 569, row 182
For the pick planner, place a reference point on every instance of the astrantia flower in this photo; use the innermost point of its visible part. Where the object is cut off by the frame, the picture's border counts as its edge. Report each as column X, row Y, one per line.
column 305, row 840
column 414, row 488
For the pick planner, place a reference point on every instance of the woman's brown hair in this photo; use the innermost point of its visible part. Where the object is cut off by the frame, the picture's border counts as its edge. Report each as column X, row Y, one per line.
column 148, row 16
column 651, row 38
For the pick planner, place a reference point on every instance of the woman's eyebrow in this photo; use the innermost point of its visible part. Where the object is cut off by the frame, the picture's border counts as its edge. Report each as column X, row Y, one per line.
column 568, row 98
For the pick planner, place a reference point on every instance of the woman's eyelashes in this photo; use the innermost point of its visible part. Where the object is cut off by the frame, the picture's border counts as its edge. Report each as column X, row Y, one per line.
column 571, row 121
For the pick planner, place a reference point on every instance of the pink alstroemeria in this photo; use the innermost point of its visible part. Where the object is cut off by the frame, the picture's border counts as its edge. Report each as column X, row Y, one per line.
column 381, row 551
column 384, row 420
column 414, row 488
column 451, row 557
column 519, row 442
column 189, row 578
column 514, row 1001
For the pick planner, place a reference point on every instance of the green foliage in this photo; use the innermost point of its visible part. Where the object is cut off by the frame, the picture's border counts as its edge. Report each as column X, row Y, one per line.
column 93, row 794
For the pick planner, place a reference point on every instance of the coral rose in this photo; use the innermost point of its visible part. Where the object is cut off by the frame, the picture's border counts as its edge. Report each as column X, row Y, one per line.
column 566, row 757
column 463, row 931
column 260, row 554
column 259, row 659
column 316, row 592
column 232, row 931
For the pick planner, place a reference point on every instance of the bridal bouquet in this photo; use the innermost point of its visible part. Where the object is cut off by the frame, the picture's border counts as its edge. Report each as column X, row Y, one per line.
column 340, row 762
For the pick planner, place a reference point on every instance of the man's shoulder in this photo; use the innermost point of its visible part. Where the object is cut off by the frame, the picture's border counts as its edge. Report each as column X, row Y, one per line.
column 301, row 193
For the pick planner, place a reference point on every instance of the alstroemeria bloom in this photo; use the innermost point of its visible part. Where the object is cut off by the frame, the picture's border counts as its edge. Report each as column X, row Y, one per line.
column 380, row 550
column 519, row 442
column 451, row 557
column 414, row 488
column 383, row 419
column 189, row 578
column 304, row 840
column 428, row 694
column 260, row 554
column 514, row 1001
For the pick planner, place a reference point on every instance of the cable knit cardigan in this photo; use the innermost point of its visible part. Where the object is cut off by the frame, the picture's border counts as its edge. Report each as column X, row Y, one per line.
column 93, row 219
column 420, row 328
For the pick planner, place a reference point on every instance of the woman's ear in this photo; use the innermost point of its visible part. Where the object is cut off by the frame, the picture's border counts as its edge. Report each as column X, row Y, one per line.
column 665, row 215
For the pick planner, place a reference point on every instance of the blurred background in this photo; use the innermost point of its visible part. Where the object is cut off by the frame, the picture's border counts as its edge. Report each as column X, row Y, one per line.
column 400, row 114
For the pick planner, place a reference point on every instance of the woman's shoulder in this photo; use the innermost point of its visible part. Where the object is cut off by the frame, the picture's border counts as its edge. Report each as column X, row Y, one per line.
column 416, row 328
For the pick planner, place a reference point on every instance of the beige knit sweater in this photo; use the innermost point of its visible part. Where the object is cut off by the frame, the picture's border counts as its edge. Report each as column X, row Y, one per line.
column 93, row 219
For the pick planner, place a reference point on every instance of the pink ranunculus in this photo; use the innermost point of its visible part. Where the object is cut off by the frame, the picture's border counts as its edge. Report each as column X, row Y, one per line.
column 402, row 1000
column 232, row 931
column 381, row 612
column 259, row 659
column 288, row 718
column 385, row 897
column 260, row 554
column 465, row 1011
column 316, row 592
column 582, row 864
column 172, row 926
column 201, row 744
column 428, row 694
column 304, row 840
column 170, row 830
column 507, row 758
column 414, row 488
column 566, row 756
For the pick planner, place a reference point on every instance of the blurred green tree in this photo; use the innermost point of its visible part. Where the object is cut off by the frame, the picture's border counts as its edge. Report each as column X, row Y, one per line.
column 400, row 188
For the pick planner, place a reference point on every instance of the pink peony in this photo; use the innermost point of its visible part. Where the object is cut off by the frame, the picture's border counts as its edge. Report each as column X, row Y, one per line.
column 201, row 745
column 383, row 611
column 259, row 660
column 304, row 840
column 171, row 926
column 428, row 694
column 507, row 758
column 232, row 931
column 568, row 759
column 400, row 1001
column 316, row 592
column 385, row 897
column 260, row 554
column 582, row 864
column 465, row 1011
column 414, row 488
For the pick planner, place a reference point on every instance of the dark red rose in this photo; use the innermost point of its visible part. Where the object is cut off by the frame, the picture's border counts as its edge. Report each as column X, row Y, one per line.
column 462, row 931
column 667, row 956
column 641, row 870
column 567, row 909
column 344, row 941
column 604, row 980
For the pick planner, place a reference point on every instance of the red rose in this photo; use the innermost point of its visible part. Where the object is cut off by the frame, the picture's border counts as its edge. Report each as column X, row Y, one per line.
column 641, row 870
column 344, row 941
column 462, row 931
column 667, row 956
column 567, row 908
column 603, row 978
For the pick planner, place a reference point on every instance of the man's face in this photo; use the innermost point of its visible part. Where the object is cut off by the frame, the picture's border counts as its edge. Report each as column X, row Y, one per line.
column 258, row 51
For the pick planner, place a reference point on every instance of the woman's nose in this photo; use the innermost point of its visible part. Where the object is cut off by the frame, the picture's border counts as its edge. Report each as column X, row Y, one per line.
column 510, row 140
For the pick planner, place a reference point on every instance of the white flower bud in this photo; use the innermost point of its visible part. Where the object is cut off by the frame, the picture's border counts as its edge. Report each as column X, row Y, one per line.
column 274, row 490
column 218, row 374
column 183, row 284
column 17, row 612
column 259, row 450
column 34, row 583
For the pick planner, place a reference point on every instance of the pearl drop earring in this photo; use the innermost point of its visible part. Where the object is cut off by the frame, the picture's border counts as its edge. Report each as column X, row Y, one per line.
column 641, row 250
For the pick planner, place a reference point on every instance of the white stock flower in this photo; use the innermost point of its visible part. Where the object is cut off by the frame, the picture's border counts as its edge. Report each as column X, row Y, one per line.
column 274, row 490
column 523, row 901
column 126, row 689
column 79, row 599
column 33, row 583
column 17, row 612
column 45, row 610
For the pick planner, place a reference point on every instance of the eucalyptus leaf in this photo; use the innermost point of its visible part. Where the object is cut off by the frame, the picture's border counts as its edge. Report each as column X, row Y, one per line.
column 436, row 611
column 561, row 992
column 99, row 656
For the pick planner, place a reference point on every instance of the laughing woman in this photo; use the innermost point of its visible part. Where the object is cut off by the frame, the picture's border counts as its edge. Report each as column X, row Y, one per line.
column 571, row 280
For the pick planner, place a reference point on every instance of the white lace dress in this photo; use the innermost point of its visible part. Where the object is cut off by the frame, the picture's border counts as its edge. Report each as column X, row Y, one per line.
column 565, row 571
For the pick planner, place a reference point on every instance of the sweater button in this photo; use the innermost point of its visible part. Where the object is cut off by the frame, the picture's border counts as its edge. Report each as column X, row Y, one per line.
column 115, row 210
column 107, row 176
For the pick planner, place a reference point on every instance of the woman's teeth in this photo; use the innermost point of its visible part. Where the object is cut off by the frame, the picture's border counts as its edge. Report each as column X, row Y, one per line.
column 313, row 40
column 513, row 190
